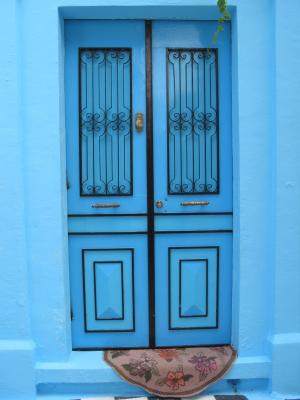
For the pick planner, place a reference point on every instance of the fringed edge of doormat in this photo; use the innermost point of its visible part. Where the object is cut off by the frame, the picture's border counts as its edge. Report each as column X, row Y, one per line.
column 172, row 368
column 207, row 397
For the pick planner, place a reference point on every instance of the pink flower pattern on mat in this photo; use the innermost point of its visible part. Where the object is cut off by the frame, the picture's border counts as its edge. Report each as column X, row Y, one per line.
column 205, row 365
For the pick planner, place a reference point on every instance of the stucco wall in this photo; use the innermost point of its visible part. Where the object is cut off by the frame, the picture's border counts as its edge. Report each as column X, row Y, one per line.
column 35, row 342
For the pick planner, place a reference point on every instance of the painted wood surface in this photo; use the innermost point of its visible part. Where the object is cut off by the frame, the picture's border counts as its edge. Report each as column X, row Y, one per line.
column 190, row 164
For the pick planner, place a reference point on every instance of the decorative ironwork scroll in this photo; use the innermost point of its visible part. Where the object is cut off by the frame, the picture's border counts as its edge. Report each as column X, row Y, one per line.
column 192, row 121
column 105, row 122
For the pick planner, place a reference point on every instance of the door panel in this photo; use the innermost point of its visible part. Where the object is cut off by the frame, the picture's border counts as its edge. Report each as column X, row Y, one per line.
column 193, row 222
column 109, row 291
column 191, row 112
column 105, row 109
column 103, row 223
column 190, row 270
column 192, row 117
column 108, row 287
column 193, row 287
column 105, row 85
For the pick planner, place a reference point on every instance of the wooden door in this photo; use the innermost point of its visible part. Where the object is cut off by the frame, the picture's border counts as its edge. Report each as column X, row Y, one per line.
column 106, row 173
column 192, row 183
column 149, row 189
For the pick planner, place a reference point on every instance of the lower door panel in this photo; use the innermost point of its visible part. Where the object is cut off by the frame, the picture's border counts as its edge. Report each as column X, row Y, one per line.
column 193, row 289
column 109, row 291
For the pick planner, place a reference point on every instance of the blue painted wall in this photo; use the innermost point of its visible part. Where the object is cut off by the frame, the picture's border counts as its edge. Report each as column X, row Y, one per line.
column 35, row 341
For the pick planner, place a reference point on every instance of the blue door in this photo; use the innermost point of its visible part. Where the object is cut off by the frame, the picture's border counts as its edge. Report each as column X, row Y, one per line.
column 149, row 183
column 192, row 183
column 106, row 179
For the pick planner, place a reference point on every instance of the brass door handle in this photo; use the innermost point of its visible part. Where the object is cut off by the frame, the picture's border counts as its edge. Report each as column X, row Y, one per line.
column 112, row 205
column 194, row 203
column 139, row 122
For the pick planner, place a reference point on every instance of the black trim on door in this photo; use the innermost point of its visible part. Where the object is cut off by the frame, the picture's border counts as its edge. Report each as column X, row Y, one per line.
column 150, row 181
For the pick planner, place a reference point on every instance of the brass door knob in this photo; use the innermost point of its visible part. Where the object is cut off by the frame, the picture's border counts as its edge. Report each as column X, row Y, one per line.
column 159, row 204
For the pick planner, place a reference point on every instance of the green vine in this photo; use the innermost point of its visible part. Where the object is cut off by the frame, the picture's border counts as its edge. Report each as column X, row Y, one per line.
column 225, row 16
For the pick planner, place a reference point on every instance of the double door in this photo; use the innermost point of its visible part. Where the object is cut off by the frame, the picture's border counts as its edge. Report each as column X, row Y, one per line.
column 149, row 177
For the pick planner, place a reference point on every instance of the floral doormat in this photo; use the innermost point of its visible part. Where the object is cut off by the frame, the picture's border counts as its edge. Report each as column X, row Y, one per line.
column 215, row 397
column 173, row 372
column 208, row 397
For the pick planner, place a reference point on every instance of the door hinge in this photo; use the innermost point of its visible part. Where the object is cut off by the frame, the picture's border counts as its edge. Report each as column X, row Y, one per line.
column 71, row 312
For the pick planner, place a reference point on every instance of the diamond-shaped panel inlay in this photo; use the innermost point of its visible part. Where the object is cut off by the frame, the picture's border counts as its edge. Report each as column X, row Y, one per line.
column 109, row 290
column 193, row 288
column 108, row 287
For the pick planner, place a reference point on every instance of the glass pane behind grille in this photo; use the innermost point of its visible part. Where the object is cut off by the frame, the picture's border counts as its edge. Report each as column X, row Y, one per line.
column 192, row 121
column 105, row 122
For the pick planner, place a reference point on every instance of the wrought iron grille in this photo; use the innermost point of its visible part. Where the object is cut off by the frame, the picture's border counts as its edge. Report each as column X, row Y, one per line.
column 192, row 95
column 105, row 122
